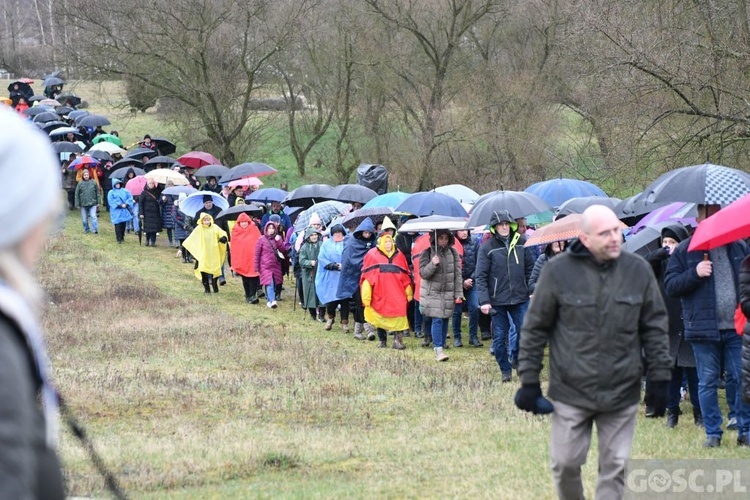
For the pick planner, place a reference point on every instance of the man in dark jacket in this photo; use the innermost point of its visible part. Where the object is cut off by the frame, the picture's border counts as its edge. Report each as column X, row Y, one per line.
column 503, row 269
column 468, row 269
column 708, row 286
column 596, row 307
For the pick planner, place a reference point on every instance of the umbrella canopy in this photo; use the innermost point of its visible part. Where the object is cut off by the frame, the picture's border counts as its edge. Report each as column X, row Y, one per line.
column 232, row 213
column 198, row 159
column 50, row 102
column 164, row 146
column 69, row 99
column 67, row 147
column 563, row 229
column 141, row 153
column 684, row 213
column 376, row 214
column 38, row 110
column 63, row 110
column 433, row 223
column 211, row 171
column 100, row 155
column 121, row 172
column 389, row 200
column 632, row 209
column 460, row 192
column 61, row 132
column 646, row 240
column 557, row 191
column 176, row 190
column 431, row 203
column 247, row 170
column 578, row 205
column 136, row 185
column 82, row 162
column 267, row 195
column 352, row 193
column 160, row 160
column 194, row 202
column 517, row 203
column 50, row 126
column 79, row 113
column 104, row 138
column 51, row 81
column 327, row 211
column 706, row 184
column 47, row 116
column 307, row 195
column 725, row 226
column 93, row 121
column 162, row 175
column 246, row 182
column 109, row 147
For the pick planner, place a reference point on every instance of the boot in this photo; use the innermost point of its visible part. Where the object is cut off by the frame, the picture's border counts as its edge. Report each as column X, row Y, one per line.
column 474, row 341
column 440, row 355
column 370, row 331
column 382, row 344
column 215, row 285
column 358, row 328
column 206, row 285
column 329, row 323
column 673, row 416
column 345, row 325
column 398, row 341
column 427, row 340
column 697, row 417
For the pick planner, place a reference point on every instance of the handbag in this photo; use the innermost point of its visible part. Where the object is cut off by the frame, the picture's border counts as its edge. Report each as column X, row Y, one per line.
column 280, row 255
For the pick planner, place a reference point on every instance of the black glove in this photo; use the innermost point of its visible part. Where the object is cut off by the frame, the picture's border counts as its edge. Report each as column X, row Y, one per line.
column 223, row 239
column 659, row 393
column 526, row 397
column 331, row 266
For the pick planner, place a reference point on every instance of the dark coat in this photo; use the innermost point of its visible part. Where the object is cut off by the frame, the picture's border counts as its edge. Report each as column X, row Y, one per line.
column 355, row 248
column 168, row 210
column 745, row 305
column 469, row 260
column 150, row 210
column 503, row 270
column 183, row 225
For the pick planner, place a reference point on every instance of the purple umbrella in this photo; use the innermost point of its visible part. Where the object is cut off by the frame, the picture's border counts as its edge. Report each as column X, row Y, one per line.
column 674, row 212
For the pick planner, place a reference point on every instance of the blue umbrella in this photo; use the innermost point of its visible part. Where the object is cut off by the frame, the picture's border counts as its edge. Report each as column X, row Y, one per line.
column 390, row 200
column 557, row 191
column 431, row 203
column 267, row 195
column 194, row 202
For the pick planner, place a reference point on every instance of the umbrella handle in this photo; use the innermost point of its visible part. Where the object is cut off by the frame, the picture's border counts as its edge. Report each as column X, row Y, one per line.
column 705, row 257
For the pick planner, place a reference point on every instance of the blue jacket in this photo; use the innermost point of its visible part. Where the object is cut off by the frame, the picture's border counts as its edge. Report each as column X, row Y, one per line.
column 503, row 271
column 116, row 197
column 469, row 262
column 355, row 248
column 697, row 294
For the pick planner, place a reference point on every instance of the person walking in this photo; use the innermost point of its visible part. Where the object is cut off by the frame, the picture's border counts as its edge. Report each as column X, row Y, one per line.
column 327, row 277
column 87, row 197
column 356, row 246
column 245, row 237
column 596, row 307
column 308, row 261
column 150, row 211
column 208, row 244
column 269, row 251
column 120, row 208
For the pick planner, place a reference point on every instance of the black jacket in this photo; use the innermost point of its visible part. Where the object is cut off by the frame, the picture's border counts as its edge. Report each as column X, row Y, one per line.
column 150, row 210
column 503, row 270
column 745, row 305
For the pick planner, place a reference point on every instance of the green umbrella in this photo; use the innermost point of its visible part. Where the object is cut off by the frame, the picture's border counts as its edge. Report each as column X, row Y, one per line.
column 109, row 138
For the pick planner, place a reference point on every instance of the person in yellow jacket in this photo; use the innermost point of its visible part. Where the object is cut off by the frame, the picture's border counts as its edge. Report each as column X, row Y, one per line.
column 208, row 244
column 386, row 289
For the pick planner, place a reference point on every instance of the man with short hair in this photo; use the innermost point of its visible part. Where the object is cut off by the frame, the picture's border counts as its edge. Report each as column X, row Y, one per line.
column 597, row 308
column 708, row 285
column 277, row 209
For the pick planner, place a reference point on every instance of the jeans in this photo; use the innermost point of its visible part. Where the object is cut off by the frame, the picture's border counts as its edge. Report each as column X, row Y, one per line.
column 271, row 292
column 439, row 331
column 501, row 322
column 515, row 332
column 707, row 361
column 89, row 213
column 472, row 305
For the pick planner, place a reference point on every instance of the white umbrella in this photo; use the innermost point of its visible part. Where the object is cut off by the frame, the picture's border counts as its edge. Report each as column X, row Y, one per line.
column 162, row 175
column 459, row 192
column 107, row 147
column 433, row 223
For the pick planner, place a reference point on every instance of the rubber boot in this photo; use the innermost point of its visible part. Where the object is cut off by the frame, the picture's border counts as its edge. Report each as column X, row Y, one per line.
column 440, row 355
column 398, row 341
column 329, row 323
column 345, row 325
column 215, row 285
column 358, row 329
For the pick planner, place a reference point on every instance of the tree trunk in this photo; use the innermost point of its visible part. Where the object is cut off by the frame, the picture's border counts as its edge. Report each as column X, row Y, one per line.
column 41, row 23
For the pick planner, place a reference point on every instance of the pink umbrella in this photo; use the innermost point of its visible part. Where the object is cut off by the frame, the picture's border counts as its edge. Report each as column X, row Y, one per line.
column 246, row 182
column 136, row 185
column 197, row 159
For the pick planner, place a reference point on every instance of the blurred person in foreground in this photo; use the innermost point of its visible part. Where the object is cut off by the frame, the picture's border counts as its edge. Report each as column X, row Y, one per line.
column 29, row 466
column 596, row 307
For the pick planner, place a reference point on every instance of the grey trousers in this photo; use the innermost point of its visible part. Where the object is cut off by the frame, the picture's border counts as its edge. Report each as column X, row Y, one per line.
column 569, row 445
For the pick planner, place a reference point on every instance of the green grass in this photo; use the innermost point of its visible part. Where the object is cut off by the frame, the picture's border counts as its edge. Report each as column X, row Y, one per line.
column 188, row 395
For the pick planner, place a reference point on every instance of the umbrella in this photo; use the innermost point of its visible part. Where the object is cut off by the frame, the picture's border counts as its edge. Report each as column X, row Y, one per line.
column 104, row 138
column 164, row 146
column 307, row 195
column 36, row 98
column 706, row 184
column 247, row 170
column 100, row 155
column 647, row 239
column 194, row 202
column 121, row 172
column 132, row 162
column 163, row 160
column 390, row 200
column 684, row 213
column 232, row 213
column 69, row 99
column 327, row 211
column 162, row 175
column 82, row 162
column 725, row 226
column 632, row 209
column 36, row 110
column 198, row 159
column 50, row 126
column 93, row 121
column 176, row 190
column 136, row 185
column 63, row 110
column 557, row 191
column 108, row 147
column 433, row 223
column 563, row 229
column 246, row 182
column 459, row 192
column 67, row 147
column 355, row 218
column 50, row 102
column 216, row 170
column 61, row 132
column 517, row 203
column 47, row 116
column 580, row 204
column 51, row 81
column 140, row 153
column 352, row 193
column 267, row 195
column 431, row 203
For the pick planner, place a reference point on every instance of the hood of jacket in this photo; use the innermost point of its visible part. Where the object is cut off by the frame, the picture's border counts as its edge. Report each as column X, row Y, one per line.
column 499, row 216
column 381, row 245
column 435, row 234
column 365, row 225
column 309, row 232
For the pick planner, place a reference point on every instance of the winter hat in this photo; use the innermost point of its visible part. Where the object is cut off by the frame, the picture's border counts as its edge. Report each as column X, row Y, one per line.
column 275, row 218
column 207, row 197
column 675, row 231
column 21, row 143
column 338, row 228
column 315, row 219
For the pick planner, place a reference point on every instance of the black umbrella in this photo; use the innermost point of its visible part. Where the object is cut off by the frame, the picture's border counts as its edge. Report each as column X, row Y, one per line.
column 267, row 195
column 69, row 99
column 307, row 195
column 121, row 172
column 38, row 110
column 632, row 209
column 578, row 205
column 140, row 153
column 63, row 110
column 705, row 184
column 52, row 81
column 355, row 218
column 93, row 121
column 101, row 155
column 67, row 147
column 164, row 146
column 517, row 203
column 212, row 171
column 647, row 239
column 77, row 114
column 60, row 133
column 232, row 213
column 35, row 98
column 242, row 170
column 160, row 160
column 47, row 116
column 50, row 126
column 352, row 193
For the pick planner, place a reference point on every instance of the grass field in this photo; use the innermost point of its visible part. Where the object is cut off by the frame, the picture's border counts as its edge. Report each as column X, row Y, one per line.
column 195, row 396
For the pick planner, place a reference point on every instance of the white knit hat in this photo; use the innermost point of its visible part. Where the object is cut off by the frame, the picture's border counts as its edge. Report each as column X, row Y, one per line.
column 30, row 173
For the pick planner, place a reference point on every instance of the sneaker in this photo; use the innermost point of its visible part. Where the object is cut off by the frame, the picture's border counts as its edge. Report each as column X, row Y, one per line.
column 274, row 305
column 268, row 305
column 732, row 424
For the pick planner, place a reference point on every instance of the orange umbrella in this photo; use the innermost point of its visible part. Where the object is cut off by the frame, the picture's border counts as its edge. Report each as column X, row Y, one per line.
column 564, row 229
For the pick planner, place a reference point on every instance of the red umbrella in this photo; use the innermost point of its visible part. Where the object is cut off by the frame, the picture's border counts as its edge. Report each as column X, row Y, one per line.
column 136, row 185
column 725, row 226
column 82, row 162
column 197, row 159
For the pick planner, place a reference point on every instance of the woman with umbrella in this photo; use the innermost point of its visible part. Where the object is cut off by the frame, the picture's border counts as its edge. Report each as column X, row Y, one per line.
column 150, row 211
column 120, row 208
column 208, row 244
column 269, row 252
column 245, row 237
column 308, row 261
